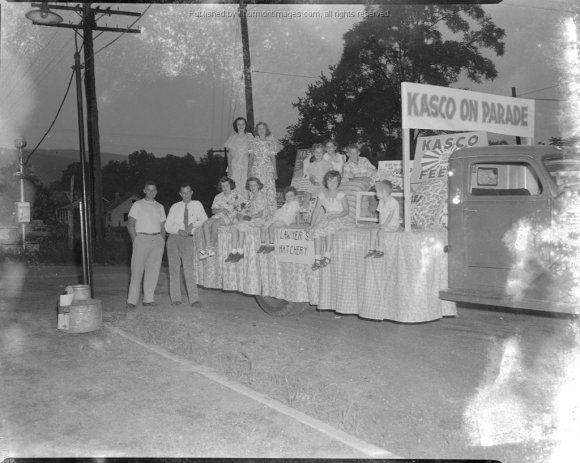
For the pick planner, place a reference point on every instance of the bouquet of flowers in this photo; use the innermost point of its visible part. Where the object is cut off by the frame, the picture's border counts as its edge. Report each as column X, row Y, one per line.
column 242, row 207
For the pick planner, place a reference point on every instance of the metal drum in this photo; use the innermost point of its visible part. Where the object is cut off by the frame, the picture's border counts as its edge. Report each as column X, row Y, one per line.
column 84, row 316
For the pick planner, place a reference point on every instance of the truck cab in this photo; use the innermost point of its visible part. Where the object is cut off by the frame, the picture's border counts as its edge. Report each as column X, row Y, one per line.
column 512, row 227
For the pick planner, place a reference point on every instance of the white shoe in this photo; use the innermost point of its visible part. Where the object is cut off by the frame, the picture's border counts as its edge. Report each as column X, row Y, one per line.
column 204, row 254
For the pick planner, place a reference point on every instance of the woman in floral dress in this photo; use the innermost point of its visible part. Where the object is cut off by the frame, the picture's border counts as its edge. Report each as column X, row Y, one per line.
column 237, row 145
column 263, row 149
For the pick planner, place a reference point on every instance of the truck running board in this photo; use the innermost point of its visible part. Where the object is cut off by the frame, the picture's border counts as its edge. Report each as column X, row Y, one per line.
column 501, row 300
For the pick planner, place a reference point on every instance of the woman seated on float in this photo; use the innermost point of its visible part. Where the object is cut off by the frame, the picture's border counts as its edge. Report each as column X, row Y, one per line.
column 315, row 166
column 283, row 217
column 226, row 205
column 357, row 167
column 253, row 217
column 330, row 215
column 332, row 155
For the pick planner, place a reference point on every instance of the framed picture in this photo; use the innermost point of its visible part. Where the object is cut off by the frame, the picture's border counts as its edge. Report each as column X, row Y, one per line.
column 359, row 208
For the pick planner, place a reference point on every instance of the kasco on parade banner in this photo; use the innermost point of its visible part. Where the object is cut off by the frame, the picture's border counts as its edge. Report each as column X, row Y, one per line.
column 444, row 108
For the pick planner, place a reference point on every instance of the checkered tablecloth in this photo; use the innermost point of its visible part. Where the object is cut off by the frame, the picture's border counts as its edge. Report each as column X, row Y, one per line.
column 402, row 286
column 256, row 274
column 290, row 281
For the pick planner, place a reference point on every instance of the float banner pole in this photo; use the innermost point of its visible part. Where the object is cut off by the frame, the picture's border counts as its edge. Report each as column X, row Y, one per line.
column 407, row 179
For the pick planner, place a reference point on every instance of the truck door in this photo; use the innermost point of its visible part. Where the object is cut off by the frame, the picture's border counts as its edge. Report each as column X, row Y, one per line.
column 498, row 194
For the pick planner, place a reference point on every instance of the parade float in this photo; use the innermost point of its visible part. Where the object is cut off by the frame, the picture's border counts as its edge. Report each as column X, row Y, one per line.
column 488, row 225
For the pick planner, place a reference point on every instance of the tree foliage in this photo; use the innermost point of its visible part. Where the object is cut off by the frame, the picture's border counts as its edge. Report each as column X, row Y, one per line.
column 169, row 172
column 559, row 141
column 360, row 102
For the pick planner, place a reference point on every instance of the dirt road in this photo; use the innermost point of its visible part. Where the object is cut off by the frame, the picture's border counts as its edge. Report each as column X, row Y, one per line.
column 486, row 384
column 98, row 394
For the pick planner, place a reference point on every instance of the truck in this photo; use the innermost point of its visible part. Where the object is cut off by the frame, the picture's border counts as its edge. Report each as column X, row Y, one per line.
column 512, row 240
column 513, row 227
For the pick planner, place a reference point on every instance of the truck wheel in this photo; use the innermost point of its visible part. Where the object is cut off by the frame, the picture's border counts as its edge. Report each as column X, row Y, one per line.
column 280, row 307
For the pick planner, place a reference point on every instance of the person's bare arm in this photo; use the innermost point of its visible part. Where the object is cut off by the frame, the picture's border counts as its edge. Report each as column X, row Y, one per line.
column 316, row 213
column 131, row 228
column 273, row 158
column 229, row 158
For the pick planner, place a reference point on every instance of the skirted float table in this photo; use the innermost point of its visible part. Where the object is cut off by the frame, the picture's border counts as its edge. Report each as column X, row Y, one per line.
column 402, row 286
column 256, row 274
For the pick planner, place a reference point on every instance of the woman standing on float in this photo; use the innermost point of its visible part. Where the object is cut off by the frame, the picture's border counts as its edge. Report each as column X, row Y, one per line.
column 237, row 146
column 263, row 151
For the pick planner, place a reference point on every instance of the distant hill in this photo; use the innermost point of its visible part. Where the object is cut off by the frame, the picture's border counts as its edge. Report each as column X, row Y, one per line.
column 49, row 164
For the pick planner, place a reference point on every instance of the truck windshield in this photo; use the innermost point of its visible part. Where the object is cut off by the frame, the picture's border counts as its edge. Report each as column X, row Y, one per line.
column 564, row 169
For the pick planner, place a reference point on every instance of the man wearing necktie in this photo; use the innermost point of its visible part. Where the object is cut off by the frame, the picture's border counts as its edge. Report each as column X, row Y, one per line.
column 183, row 218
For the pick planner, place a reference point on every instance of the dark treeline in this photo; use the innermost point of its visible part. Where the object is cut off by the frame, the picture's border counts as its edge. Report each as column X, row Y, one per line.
column 169, row 172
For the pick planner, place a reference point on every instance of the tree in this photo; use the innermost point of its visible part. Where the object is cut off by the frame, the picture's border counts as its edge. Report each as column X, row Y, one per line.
column 559, row 141
column 169, row 172
column 360, row 102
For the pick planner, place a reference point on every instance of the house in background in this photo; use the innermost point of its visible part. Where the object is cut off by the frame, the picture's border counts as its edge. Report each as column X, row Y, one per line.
column 117, row 211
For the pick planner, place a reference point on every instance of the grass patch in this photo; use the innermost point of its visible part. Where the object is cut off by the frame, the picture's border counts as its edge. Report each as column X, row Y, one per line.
column 196, row 343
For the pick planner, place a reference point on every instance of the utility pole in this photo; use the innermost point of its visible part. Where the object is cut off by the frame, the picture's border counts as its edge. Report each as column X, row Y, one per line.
column 88, row 24
column 84, row 213
column 518, row 139
column 247, row 65
column 95, row 206
column 0, row 39
column 222, row 151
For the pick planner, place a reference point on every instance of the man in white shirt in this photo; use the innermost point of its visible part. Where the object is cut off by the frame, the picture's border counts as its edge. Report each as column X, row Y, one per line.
column 183, row 218
column 146, row 220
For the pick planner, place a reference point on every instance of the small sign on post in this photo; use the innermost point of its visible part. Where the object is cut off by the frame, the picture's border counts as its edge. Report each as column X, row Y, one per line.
column 23, row 212
column 292, row 245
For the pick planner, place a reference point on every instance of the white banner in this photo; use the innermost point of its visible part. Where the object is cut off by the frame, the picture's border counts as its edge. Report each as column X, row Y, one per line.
column 432, row 153
column 292, row 246
column 443, row 108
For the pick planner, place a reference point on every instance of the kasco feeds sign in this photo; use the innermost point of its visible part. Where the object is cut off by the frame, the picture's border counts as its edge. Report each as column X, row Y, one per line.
column 443, row 108
column 432, row 153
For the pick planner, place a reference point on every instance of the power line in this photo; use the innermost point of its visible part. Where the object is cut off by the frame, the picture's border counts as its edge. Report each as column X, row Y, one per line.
column 282, row 74
column 540, row 89
column 121, row 34
column 541, row 8
column 54, row 120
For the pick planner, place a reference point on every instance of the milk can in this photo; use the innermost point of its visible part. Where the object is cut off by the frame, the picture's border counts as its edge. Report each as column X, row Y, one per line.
column 78, row 312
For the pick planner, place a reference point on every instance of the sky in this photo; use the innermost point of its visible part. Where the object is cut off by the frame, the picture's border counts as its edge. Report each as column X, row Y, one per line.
column 177, row 86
